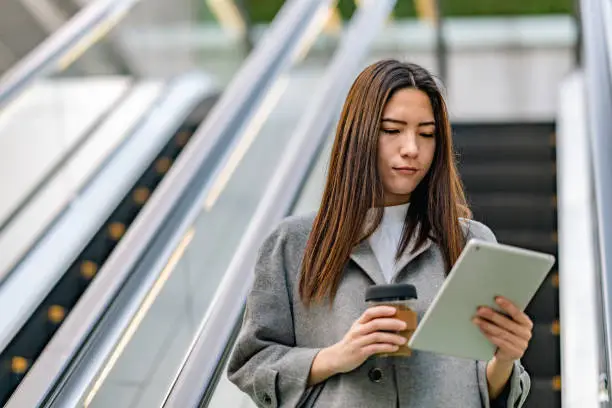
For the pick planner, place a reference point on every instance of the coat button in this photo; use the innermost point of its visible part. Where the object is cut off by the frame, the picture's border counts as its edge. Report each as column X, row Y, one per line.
column 267, row 399
column 375, row 375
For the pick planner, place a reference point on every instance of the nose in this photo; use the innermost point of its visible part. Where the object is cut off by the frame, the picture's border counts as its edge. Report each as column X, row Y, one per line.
column 409, row 147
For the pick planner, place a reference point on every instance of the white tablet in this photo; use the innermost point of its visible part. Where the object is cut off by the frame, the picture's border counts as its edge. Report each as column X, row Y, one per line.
column 483, row 271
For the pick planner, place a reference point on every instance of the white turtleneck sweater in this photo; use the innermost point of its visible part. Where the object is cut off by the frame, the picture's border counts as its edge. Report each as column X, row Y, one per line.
column 385, row 240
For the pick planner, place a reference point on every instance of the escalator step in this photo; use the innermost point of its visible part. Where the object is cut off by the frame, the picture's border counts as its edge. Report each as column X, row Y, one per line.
column 539, row 178
column 542, row 356
column 486, row 144
column 509, row 173
column 512, row 210
column 504, row 134
column 530, row 239
column 544, row 393
column 544, row 307
column 516, row 155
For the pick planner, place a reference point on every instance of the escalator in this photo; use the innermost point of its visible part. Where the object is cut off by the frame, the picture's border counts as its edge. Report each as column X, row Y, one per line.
column 509, row 174
column 197, row 139
column 36, row 332
column 98, row 179
column 162, row 332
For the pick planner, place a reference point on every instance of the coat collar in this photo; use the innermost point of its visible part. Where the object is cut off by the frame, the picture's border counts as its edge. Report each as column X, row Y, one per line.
column 364, row 257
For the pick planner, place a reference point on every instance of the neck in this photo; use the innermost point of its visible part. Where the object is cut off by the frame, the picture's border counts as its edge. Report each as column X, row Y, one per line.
column 393, row 201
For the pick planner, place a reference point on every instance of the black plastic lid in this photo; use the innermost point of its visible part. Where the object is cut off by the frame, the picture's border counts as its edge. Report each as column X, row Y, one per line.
column 396, row 291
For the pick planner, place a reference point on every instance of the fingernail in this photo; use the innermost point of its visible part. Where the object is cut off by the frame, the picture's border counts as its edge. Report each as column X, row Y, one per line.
column 499, row 300
column 475, row 320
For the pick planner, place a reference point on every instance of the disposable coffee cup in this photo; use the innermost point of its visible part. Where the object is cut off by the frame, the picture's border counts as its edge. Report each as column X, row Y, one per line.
column 401, row 297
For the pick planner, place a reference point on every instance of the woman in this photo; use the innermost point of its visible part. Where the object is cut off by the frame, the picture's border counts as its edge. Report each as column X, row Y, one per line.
column 393, row 210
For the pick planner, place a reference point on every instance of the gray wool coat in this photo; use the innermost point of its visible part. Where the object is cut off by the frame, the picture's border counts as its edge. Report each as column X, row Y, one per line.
column 279, row 337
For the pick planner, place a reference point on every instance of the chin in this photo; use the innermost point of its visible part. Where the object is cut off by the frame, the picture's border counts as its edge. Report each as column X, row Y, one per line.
column 403, row 190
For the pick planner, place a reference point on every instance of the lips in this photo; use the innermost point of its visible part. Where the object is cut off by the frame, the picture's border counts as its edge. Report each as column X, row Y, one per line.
column 405, row 171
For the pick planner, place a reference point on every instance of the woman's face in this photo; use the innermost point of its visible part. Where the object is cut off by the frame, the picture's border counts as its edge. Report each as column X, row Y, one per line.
column 406, row 144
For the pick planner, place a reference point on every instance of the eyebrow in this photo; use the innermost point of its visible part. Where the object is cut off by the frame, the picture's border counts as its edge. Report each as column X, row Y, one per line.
column 401, row 122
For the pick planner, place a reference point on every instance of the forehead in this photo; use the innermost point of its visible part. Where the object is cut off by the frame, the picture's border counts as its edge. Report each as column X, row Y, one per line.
column 409, row 104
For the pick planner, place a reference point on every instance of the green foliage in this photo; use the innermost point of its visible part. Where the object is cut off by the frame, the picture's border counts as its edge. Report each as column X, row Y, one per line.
column 264, row 10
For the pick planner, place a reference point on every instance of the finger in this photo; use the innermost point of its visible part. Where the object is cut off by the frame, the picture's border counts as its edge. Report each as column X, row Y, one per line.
column 505, row 347
column 382, row 324
column 380, row 337
column 514, row 312
column 376, row 312
column 495, row 331
column 504, row 322
column 379, row 348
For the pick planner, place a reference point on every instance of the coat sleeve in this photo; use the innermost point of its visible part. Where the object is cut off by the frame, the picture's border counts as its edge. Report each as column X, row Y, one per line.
column 520, row 382
column 266, row 364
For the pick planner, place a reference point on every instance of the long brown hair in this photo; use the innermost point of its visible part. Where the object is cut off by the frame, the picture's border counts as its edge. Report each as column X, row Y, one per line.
column 353, row 185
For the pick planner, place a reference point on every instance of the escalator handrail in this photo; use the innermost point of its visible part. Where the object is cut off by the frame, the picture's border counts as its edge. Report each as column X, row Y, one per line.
column 597, row 17
column 194, row 379
column 63, row 46
column 579, row 300
column 88, row 335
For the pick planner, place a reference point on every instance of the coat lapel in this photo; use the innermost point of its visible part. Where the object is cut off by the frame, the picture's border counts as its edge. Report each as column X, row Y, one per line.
column 364, row 257
column 408, row 256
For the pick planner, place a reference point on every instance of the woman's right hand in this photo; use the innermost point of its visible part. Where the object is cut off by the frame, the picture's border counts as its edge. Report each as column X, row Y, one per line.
column 367, row 336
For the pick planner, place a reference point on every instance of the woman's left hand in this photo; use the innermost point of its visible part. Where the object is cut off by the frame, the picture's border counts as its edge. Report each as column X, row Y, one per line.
column 511, row 333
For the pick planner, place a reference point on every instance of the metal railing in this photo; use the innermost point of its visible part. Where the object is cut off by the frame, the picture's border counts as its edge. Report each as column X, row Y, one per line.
column 585, row 220
column 195, row 381
column 64, row 46
column 597, row 34
column 65, row 371
column 579, row 298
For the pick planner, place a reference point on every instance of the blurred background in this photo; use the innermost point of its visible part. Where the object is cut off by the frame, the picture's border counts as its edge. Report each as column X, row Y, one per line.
column 148, row 146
